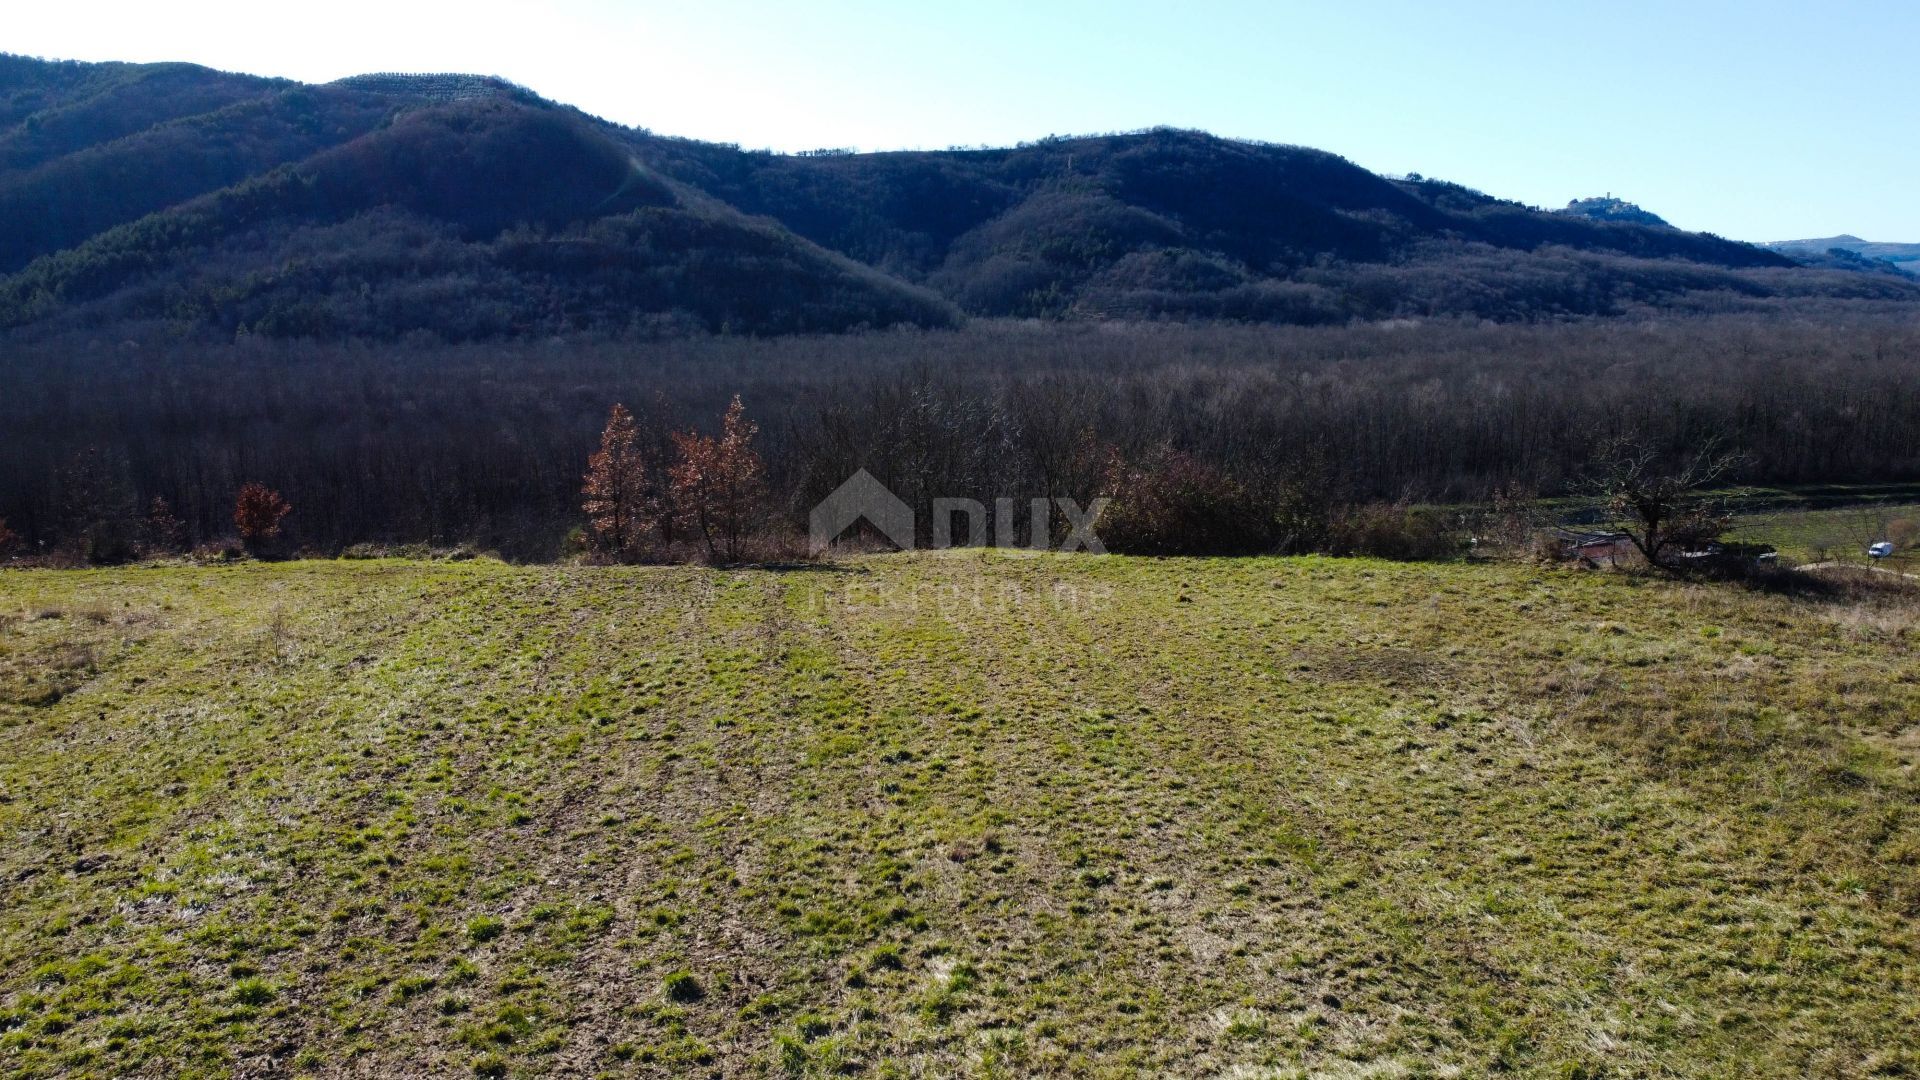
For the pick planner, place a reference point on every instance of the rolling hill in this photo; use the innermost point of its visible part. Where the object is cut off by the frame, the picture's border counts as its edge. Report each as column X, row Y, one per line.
column 467, row 208
column 1903, row 257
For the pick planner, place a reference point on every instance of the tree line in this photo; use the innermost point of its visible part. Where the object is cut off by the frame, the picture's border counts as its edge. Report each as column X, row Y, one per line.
column 487, row 445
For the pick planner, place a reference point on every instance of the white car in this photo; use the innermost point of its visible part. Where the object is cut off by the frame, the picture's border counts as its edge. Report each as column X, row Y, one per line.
column 1880, row 550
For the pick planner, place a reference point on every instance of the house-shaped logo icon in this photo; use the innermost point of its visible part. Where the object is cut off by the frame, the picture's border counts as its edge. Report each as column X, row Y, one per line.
column 861, row 497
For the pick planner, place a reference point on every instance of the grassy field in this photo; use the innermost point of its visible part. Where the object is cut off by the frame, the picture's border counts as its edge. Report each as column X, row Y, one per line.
column 1840, row 535
column 961, row 813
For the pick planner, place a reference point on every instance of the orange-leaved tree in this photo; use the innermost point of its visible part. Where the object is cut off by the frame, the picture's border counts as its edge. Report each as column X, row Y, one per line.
column 257, row 513
column 719, row 484
column 621, row 496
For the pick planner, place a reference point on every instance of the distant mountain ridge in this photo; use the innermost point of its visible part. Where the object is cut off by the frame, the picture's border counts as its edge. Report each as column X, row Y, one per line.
column 465, row 207
column 1904, row 257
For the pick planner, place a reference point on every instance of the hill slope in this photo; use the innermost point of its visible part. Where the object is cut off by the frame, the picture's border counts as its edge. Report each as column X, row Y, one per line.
column 961, row 814
column 1183, row 224
column 50, row 109
column 406, row 228
column 1608, row 208
column 465, row 207
column 1902, row 256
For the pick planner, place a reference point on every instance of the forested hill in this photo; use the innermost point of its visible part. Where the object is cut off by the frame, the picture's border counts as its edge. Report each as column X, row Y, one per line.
column 461, row 208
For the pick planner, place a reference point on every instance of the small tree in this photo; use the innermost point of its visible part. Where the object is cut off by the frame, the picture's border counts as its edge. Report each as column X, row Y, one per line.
column 621, row 498
column 257, row 512
column 97, row 516
column 1861, row 529
column 719, row 484
column 165, row 532
column 1663, row 513
column 8, row 541
column 1512, row 516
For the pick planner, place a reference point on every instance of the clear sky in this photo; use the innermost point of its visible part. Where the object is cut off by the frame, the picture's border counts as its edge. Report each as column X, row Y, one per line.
column 1761, row 120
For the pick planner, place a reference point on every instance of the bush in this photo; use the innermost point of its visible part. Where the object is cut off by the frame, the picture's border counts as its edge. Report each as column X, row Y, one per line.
column 1395, row 531
column 1176, row 504
column 218, row 551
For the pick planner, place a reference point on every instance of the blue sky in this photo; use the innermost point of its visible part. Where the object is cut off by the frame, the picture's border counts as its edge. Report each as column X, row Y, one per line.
column 1760, row 120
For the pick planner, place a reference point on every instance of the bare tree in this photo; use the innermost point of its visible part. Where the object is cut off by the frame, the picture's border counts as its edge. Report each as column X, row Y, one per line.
column 1665, row 512
column 165, row 532
column 1866, row 526
column 96, row 507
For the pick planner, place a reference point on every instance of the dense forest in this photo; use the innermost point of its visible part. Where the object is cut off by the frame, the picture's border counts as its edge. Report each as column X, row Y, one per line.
column 487, row 444
column 446, row 209
column 403, row 306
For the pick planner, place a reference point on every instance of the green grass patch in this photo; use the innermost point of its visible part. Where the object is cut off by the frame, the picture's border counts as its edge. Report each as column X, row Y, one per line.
column 959, row 813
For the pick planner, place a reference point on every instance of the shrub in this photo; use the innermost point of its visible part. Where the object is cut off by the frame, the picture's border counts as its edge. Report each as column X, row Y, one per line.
column 218, row 551
column 165, row 533
column 1396, row 531
column 1511, row 521
column 1546, row 546
column 1175, row 504
column 8, row 541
